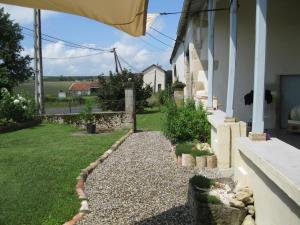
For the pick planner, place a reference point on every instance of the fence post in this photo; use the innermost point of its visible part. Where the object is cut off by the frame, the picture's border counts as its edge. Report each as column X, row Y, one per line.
column 130, row 104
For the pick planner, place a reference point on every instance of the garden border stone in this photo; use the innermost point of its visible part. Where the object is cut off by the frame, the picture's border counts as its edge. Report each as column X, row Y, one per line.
column 19, row 126
column 81, row 179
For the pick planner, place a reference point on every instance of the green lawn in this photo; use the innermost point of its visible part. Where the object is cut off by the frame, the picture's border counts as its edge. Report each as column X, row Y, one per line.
column 39, row 167
column 151, row 119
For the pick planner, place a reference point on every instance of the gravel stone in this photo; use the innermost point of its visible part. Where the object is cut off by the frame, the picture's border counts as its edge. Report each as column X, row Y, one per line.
column 140, row 184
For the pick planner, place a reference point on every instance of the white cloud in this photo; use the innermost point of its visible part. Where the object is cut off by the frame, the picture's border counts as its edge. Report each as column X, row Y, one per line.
column 128, row 48
column 24, row 15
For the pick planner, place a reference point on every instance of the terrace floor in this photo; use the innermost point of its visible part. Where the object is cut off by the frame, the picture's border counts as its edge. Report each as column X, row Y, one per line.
column 290, row 138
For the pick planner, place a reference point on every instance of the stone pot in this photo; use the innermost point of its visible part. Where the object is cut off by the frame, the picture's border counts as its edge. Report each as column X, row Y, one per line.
column 211, row 161
column 188, row 160
column 201, row 162
column 213, row 214
column 91, row 128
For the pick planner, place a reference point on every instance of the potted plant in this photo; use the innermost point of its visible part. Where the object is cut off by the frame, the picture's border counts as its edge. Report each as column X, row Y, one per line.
column 87, row 117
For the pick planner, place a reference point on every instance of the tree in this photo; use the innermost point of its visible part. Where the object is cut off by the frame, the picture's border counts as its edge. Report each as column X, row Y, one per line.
column 14, row 68
column 112, row 91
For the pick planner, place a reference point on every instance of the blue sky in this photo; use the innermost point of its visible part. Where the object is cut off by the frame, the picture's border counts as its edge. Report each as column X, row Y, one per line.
column 88, row 32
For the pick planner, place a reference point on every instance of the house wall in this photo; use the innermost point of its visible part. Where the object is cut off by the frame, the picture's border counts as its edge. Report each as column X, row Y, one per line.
column 149, row 78
column 283, row 53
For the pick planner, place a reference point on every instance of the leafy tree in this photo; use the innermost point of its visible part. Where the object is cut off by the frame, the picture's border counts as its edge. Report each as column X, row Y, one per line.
column 14, row 68
column 112, row 95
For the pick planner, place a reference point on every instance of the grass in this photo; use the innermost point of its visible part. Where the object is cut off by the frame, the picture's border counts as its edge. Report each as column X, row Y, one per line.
column 201, row 181
column 150, row 120
column 207, row 199
column 39, row 167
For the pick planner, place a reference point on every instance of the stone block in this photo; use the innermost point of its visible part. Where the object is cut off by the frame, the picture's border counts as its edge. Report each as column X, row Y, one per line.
column 188, row 161
column 201, row 162
column 211, row 161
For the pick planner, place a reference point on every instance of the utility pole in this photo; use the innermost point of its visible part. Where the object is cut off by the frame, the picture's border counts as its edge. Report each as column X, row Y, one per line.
column 38, row 62
column 117, row 61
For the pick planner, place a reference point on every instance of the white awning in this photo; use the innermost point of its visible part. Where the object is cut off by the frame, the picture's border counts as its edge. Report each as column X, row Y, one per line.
column 129, row 16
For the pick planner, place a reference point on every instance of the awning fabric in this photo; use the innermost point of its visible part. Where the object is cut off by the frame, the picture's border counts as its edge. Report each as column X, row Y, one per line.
column 129, row 16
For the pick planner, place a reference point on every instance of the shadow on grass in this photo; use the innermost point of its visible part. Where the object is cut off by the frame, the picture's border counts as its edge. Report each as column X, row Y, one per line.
column 149, row 111
column 175, row 216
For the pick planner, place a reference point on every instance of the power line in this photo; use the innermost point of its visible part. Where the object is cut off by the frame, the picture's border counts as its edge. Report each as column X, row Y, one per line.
column 162, row 34
column 153, row 46
column 69, row 42
column 129, row 64
column 159, row 40
column 194, row 12
column 74, row 57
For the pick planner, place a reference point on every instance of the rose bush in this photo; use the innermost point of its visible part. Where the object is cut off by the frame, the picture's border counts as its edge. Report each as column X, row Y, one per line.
column 15, row 108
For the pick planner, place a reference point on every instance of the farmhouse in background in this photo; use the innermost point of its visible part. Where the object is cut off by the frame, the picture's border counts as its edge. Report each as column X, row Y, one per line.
column 155, row 76
column 83, row 88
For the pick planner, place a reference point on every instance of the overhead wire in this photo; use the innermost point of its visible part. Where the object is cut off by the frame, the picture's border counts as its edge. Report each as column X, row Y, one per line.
column 167, row 36
column 150, row 35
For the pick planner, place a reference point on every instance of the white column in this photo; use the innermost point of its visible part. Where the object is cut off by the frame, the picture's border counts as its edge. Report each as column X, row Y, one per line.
column 259, row 69
column 232, row 58
column 211, row 28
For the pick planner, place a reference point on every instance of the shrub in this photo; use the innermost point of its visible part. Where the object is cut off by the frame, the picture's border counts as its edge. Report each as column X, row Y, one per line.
column 189, row 148
column 153, row 101
column 15, row 108
column 165, row 96
column 186, row 123
column 111, row 93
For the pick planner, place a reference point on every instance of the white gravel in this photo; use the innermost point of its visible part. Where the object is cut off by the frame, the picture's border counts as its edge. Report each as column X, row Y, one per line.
column 140, row 184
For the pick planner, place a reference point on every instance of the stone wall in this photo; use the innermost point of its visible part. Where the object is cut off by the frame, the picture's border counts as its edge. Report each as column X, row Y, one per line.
column 103, row 120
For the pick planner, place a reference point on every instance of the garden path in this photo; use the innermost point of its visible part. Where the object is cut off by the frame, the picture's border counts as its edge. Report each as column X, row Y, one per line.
column 140, row 184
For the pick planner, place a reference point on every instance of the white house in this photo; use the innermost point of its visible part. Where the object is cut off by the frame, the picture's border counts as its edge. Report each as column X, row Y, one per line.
column 245, row 55
column 155, row 76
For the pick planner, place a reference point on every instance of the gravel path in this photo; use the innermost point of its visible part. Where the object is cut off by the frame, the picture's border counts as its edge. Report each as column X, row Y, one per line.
column 140, row 184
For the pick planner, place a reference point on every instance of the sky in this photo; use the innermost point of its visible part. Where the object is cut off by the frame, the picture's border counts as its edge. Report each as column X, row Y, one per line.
column 138, row 52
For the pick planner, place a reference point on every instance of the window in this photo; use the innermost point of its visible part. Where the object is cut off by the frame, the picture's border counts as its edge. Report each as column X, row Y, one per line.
column 159, row 87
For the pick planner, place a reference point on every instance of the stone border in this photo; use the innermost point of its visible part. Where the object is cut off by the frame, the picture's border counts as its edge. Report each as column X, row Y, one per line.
column 19, row 126
column 81, row 180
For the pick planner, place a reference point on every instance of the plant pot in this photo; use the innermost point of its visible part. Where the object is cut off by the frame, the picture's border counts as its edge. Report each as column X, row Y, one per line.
column 91, row 128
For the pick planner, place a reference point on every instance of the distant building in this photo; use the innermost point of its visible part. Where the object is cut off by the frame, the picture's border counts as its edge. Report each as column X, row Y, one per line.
column 62, row 94
column 83, row 88
column 155, row 76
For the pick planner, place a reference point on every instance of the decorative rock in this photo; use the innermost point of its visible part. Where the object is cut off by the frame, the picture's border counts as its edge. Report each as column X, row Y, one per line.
column 188, row 160
column 236, row 203
column 248, row 220
column 203, row 147
column 211, row 161
column 243, row 196
column 109, row 151
column 249, row 201
column 179, row 160
column 81, row 194
column 251, row 210
column 201, row 162
column 84, row 207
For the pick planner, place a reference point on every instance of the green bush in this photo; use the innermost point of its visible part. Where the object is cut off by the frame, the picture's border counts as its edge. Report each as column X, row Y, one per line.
column 164, row 96
column 186, row 123
column 15, row 108
column 153, row 101
column 189, row 148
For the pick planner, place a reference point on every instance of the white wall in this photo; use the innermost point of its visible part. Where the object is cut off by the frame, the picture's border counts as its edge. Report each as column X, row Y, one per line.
column 149, row 78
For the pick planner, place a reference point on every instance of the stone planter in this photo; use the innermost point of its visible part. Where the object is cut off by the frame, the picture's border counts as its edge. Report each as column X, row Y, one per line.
column 211, row 161
column 213, row 214
column 201, row 162
column 91, row 128
column 188, row 160
column 179, row 160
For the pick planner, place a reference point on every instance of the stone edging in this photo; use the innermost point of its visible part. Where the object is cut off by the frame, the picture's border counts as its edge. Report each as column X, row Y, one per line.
column 81, row 179
column 19, row 126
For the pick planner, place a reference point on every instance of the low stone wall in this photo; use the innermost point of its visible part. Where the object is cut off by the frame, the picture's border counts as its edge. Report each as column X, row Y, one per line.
column 19, row 126
column 271, row 169
column 103, row 120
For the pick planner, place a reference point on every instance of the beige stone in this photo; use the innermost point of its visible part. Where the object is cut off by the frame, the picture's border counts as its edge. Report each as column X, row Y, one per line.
column 188, row 160
column 236, row 203
column 251, row 210
column 84, row 207
column 211, row 161
column 243, row 196
column 179, row 160
column 201, row 162
column 248, row 220
column 249, row 201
